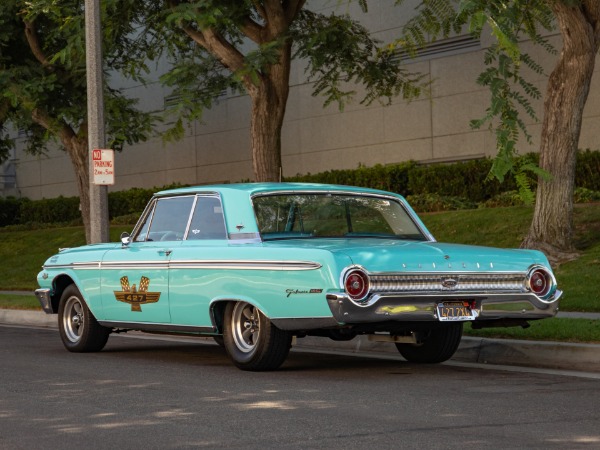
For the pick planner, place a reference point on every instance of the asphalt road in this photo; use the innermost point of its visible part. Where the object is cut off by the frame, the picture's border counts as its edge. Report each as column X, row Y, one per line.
column 154, row 393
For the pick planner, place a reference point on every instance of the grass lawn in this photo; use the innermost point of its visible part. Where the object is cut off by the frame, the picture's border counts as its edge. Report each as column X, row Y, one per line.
column 22, row 254
column 554, row 329
column 19, row 302
column 506, row 227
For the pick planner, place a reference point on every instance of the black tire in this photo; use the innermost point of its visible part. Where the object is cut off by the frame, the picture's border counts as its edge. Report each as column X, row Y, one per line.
column 219, row 340
column 438, row 345
column 251, row 340
column 79, row 330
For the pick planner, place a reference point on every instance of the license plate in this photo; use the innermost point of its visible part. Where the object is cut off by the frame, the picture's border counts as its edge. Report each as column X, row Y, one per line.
column 455, row 311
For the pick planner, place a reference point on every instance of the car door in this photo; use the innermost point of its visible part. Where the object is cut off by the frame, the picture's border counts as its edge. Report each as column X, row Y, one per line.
column 135, row 278
column 195, row 279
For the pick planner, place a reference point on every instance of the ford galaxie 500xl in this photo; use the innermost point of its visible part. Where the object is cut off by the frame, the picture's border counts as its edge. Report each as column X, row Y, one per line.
column 255, row 265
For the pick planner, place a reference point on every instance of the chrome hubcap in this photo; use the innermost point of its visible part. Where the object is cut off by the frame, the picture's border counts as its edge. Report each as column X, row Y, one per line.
column 73, row 323
column 245, row 323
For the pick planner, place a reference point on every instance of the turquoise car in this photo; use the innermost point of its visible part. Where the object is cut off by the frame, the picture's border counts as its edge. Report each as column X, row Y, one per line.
column 257, row 265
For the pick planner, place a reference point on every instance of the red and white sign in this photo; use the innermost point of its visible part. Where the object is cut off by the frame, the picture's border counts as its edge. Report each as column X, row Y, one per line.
column 104, row 166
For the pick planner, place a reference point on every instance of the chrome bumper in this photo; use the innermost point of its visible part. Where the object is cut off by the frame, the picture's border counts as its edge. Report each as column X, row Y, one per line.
column 409, row 308
column 44, row 297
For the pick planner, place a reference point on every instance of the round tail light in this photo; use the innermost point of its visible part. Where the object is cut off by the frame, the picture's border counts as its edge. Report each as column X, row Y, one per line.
column 356, row 284
column 541, row 282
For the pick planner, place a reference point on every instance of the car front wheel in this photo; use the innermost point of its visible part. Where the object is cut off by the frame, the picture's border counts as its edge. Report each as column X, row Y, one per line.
column 436, row 345
column 79, row 330
column 251, row 340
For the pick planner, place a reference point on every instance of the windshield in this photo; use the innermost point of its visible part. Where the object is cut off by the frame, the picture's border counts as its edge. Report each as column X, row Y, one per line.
column 286, row 216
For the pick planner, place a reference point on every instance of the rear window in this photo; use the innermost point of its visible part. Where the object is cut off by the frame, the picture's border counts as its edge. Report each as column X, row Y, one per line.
column 287, row 216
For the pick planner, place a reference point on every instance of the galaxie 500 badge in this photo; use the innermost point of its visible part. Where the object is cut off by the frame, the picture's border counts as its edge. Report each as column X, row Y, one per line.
column 134, row 296
column 302, row 291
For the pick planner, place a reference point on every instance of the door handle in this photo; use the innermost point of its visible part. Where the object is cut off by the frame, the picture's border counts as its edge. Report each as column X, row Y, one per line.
column 164, row 251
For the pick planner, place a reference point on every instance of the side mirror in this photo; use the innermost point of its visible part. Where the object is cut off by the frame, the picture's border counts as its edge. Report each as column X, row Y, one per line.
column 125, row 239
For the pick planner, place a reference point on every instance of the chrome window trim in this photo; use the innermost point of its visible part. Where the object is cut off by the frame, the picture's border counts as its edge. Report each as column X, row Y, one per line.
column 149, row 209
column 207, row 195
column 152, row 206
column 403, row 203
column 189, row 221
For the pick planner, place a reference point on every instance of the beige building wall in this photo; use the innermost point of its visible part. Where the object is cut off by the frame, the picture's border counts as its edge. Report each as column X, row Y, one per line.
column 434, row 128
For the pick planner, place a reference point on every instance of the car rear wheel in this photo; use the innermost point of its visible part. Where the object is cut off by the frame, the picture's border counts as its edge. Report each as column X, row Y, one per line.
column 437, row 344
column 251, row 340
column 79, row 330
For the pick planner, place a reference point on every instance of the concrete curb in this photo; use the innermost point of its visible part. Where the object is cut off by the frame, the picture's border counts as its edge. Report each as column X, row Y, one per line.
column 26, row 317
column 509, row 352
column 548, row 355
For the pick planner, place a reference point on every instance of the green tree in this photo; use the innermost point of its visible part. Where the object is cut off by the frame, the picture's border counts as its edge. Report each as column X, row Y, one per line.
column 578, row 22
column 43, row 81
column 248, row 46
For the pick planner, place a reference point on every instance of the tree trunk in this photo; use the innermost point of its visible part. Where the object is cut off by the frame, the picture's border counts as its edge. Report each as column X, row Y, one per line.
column 77, row 149
column 568, row 86
column 76, row 146
column 269, row 99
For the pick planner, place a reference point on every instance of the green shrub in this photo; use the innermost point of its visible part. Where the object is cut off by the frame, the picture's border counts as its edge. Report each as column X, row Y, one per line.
column 128, row 219
column 509, row 198
column 437, row 203
column 393, row 177
column 10, row 210
column 583, row 195
column 587, row 171
column 435, row 187
column 132, row 201
column 50, row 210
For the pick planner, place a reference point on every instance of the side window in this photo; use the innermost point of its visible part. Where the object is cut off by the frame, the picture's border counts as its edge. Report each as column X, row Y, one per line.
column 168, row 221
column 208, row 221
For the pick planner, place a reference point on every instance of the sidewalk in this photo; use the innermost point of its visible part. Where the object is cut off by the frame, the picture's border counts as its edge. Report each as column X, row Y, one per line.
column 548, row 355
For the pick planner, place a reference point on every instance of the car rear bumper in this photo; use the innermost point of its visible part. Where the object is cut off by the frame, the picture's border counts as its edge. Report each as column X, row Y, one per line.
column 408, row 308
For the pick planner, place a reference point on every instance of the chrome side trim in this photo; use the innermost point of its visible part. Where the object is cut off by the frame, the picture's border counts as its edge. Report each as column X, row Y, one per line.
column 160, row 264
column 192, row 264
column 245, row 265
column 75, row 266
column 157, row 327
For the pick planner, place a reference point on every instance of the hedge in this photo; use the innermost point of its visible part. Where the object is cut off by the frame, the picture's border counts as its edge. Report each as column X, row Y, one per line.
column 431, row 186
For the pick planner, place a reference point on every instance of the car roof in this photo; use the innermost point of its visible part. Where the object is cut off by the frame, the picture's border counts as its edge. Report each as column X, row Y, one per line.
column 260, row 188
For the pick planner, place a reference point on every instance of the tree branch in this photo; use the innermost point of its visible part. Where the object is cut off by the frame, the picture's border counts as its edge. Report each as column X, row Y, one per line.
column 292, row 8
column 260, row 9
column 196, row 35
column 276, row 19
column 34, row 43
column 44, row 119
column 220, row 48
column 253, row 30
column 223, row 49
column 591, row 10
column 4, row 107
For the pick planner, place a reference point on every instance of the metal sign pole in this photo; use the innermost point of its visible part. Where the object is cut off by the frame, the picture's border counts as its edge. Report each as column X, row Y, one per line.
column 99, row 226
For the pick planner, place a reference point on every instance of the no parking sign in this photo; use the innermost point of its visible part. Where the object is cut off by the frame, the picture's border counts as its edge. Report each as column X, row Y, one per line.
column 104, row 166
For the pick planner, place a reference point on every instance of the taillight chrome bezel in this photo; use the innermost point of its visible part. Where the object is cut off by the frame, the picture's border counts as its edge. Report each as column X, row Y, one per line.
column 356, row 274
column 541, row 282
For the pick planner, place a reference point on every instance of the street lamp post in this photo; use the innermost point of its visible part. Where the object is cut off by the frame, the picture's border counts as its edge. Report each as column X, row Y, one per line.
column 95, row 115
